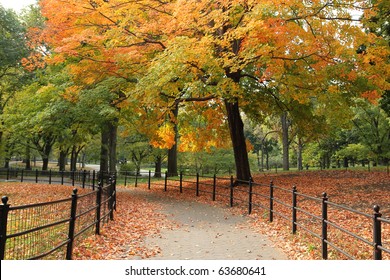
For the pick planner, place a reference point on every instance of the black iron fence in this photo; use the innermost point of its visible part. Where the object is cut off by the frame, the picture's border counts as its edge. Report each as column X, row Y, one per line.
column 336, row 230
column 327, row 226
column 81, row 178
column 49, row 230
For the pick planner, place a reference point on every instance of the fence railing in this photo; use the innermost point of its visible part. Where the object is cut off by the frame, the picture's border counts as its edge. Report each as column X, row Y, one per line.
column 82, row 178
column 327, row 223
column 49, row 230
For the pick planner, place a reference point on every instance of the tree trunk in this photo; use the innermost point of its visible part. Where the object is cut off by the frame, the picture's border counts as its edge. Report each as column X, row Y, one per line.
column 113, row 128
column 62, row 160
column 237, row 136
column 299, row 154
column 285, row 141
column 28, row 158
column 105, row 139
column 157, row 167
column 49, row 142
column 172, row 152
column 73, row 159
column 45, row 164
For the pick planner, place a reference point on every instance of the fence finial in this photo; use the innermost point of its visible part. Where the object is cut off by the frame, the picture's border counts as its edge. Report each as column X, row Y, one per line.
column 4, row 199
column 376, row 208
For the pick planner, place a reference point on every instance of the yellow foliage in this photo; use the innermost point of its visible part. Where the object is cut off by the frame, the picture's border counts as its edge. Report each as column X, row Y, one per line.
column 164, row 137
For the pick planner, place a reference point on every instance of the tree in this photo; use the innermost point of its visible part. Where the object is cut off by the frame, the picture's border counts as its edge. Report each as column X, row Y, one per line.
column 205, row 50
column 12, row 49
column 373, row 128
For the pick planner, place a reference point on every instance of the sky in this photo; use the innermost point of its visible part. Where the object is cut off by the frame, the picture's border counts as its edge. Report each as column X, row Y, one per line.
column 16, row 5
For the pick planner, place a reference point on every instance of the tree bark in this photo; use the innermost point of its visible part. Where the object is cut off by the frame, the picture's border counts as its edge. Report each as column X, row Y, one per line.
column 157, row 167
column 28, row 158
column 172, row 152
column 299, row 154
column 113, row 127
column 236, row 127
column 73, row 159
column 285, row 141
column 62, row 160
column 104, row 153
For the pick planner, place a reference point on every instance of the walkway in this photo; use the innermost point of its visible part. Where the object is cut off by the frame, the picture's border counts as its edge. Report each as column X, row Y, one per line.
column 207, row 233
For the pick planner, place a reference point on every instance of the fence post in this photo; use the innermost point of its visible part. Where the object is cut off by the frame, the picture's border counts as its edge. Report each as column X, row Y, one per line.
column 166, row 181
column 377, row 232
column 98, row 206
column 324, row 237
column 197, row 184
column 271, row 201
column 250, row 196
column 181, row 181
column 231, row 191
column 4, row 209
column 294, row 210
column 36, row 176
column 150, row 175
column 214, row 186
column 72, row 223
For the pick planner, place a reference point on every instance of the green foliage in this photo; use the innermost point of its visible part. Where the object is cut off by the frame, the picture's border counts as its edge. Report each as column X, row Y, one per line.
column 355, row 152
column 218, row 161
column 12, row 39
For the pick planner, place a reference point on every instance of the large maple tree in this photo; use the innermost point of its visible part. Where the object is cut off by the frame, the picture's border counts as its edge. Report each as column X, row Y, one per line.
column 188, row 51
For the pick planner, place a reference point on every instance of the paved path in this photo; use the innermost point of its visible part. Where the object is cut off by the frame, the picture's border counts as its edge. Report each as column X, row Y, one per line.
column 208, row 233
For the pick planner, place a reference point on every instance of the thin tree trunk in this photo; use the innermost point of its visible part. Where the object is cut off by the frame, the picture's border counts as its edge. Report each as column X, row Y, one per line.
column 172, row 152
column 105, row 139
column 299, row 154
column 285, row 141
column 28, row 158
column 113, row 127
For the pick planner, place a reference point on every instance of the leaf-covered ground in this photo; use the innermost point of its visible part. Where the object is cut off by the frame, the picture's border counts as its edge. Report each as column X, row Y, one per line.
column 136, row 217
column 357, row 190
